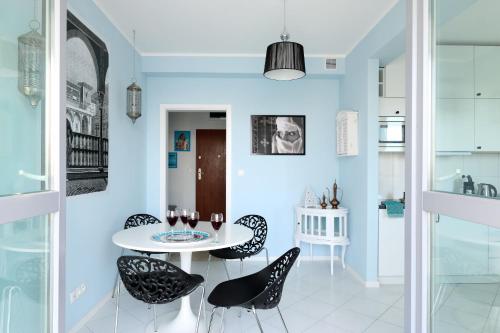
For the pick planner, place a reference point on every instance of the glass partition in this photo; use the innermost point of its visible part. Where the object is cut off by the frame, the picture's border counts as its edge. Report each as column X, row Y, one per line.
column 23, row 56
column 467, row 97
column 24, row 275
column 465, row 282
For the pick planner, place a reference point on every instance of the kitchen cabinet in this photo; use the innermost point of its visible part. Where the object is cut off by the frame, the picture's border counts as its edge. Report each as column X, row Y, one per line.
column 391, row 248
column 455, row 71
column 487, row 71
column 395, row 78
column 487, row 125
column 392, row 107
column 454, row 129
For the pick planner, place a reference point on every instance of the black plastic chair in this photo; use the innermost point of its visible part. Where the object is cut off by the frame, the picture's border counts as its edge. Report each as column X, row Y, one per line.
column 154, row 281
column 261, row 290
column 253, row 247
column 133, row 221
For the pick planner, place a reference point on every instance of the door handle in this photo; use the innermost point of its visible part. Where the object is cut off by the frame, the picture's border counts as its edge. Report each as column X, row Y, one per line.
column 199, row 173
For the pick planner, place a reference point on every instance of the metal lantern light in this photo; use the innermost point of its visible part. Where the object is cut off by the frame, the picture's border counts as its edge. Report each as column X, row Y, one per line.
column 31, row 47
column 134, row 95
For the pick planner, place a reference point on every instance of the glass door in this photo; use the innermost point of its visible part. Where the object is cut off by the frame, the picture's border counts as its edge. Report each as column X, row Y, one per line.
column 30, row 167
column 455, row 166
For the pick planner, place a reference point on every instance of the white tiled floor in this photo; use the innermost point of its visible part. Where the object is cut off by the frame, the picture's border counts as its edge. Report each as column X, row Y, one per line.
column 313, row 301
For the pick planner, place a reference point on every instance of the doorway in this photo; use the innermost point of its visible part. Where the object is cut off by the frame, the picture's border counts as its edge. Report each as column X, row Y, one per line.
column 198, row 175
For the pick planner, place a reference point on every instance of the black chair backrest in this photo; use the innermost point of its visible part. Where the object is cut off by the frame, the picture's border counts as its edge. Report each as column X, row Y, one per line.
column 140, row 219
column 274, row 277
column 153, row 281
column 259, row 227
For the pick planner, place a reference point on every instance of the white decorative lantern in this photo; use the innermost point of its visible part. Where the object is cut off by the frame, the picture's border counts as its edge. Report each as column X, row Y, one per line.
column 31, row 47
column 134, row 95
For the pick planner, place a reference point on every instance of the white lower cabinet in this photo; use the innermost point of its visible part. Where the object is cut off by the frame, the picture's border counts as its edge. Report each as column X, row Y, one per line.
column 391, row 248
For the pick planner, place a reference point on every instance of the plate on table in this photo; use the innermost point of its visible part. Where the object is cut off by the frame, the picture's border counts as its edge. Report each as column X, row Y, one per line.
column 181, row 237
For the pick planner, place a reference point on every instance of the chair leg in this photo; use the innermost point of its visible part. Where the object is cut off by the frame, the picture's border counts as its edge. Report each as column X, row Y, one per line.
column 222, row 320
column 155, row 321
column 227, row 271
column 257, row 319
column 201, row 307
column 211, row 318
column 267, row 255
column 282, row 320
column 241, row 267
column 117, row 307
column 117, row 280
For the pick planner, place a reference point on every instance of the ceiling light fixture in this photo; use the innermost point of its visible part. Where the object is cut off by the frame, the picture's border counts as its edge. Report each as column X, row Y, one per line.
column 134, row 94
column 285, row 60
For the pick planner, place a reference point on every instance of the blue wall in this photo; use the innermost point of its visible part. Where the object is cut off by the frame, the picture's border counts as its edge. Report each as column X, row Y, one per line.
column 93, row 218
column 359, row 175
column 272, row 185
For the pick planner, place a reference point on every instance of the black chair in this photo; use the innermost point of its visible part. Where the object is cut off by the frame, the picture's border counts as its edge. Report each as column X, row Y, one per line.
column 133, row 221
column 254, row 246
column 261, row 290
column 156, row 281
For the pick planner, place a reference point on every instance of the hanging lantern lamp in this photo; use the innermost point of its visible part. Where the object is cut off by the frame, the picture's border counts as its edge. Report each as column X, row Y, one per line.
column 134, row 95
column 31, row 46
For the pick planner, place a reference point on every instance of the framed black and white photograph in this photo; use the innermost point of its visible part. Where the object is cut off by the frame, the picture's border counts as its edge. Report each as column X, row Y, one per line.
column 86, row 110
column 278, row 135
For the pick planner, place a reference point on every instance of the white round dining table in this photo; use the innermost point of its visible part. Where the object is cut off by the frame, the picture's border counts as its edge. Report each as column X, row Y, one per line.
column 140, row 239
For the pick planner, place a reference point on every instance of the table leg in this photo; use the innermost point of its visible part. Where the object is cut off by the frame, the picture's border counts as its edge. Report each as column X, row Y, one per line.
column 183, row 321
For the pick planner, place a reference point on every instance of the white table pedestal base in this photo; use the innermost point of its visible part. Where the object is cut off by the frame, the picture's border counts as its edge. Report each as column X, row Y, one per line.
column 183, row 321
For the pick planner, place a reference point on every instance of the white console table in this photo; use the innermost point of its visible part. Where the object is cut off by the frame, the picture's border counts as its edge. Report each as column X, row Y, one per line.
column 322, row 227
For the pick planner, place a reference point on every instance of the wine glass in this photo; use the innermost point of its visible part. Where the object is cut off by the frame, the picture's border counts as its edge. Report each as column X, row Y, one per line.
column 193, row 219
column 172, row 217
column 216, row 219
column 184, row 218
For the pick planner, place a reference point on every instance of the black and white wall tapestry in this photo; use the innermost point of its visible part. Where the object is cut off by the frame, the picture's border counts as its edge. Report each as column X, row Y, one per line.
column 278, row 135
column 86, row 110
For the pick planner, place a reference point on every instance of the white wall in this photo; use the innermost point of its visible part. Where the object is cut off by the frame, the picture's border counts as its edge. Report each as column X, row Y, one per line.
column 182, row 180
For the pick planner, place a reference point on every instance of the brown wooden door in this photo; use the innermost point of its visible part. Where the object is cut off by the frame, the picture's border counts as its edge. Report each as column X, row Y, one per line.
column 210, row 173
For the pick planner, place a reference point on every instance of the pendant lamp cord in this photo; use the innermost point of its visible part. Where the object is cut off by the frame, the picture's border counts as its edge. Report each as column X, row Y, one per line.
column 284, row 34
column 133, row 56
column 34, row 24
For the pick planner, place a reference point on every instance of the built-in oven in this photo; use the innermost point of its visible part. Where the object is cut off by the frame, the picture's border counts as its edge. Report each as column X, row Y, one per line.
column 391, row 134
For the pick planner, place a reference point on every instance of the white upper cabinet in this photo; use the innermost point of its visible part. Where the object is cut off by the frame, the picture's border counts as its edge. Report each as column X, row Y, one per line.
column 455, row 125
column 395, row 78
column 455, row 71
column 392, row 107
column 487, row 125
column 487, row 71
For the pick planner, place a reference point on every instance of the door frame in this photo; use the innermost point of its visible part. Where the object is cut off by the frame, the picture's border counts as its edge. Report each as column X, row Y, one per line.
column 164, row 141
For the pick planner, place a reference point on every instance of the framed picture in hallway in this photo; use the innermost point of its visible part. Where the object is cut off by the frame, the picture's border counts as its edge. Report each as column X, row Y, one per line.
column 172, row 160
column 182, row 140
column 278, row 135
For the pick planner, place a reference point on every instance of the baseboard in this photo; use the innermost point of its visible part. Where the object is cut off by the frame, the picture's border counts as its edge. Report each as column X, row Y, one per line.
column 391, row 279
column 367, row 284
column 91, row 313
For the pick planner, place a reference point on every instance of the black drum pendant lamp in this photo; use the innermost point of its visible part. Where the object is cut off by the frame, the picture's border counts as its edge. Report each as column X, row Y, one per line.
column 285, row 60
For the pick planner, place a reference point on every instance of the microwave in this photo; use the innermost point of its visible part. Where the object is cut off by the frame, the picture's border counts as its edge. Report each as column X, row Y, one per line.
column 391, row 134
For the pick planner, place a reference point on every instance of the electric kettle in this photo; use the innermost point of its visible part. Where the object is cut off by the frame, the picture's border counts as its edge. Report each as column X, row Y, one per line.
column 486, row 190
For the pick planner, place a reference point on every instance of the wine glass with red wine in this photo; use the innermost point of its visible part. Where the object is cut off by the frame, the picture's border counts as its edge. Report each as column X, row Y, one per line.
column 184, row 218
column 216, row 219
column 193, row 219
column 172, row 217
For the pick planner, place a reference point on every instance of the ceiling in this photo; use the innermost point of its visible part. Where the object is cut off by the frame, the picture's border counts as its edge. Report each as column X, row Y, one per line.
column 324, row 27
column 477, row 22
